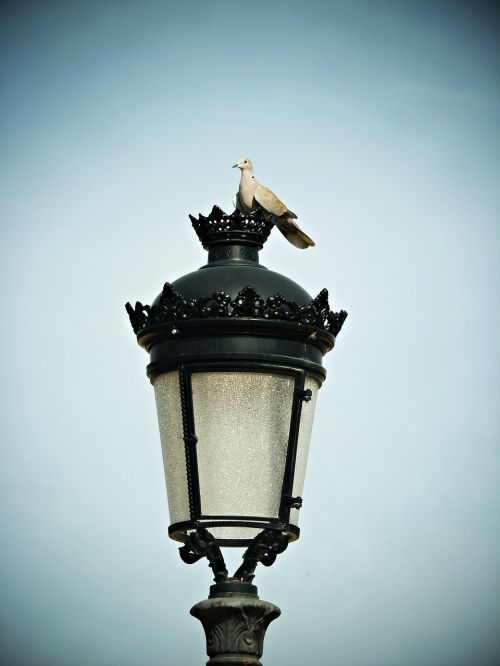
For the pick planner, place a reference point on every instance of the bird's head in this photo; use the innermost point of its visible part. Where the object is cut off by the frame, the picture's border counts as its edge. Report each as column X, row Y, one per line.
column 244, row 164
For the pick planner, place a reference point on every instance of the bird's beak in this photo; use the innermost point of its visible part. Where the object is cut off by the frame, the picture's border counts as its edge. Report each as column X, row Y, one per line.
column 235, row 165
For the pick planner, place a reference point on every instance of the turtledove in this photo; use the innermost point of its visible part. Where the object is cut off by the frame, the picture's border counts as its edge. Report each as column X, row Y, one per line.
column 252, row 195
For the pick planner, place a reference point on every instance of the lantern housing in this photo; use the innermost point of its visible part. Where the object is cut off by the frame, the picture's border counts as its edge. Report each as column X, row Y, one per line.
column 236, row 363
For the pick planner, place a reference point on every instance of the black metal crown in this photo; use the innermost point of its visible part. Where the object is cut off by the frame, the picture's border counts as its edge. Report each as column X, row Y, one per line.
column 219, row 227
column 174, row 307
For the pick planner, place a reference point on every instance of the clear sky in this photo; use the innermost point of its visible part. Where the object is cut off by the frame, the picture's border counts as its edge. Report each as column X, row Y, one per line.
column 377, row 122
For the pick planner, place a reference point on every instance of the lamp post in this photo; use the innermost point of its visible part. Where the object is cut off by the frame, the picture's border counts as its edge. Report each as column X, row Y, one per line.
column 236, row 362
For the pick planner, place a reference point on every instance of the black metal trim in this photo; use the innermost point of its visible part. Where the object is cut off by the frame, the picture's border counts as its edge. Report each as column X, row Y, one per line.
column 179, row 531
column 258, row 364
column 293, row 438
column 190, row 441
column 173, row 308
column 308, row 332
column 243, row 366
column 241, row 521
column 236, row 587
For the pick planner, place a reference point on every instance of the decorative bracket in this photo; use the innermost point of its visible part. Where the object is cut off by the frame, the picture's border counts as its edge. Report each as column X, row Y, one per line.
column 203, row 544
column 304, row 394
column 293, row 502
column 264, row 548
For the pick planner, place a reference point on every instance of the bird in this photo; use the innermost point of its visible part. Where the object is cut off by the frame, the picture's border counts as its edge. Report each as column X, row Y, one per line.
column 252, row 195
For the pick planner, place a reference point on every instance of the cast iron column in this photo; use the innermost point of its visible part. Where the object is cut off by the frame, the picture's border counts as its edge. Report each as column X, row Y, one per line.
column 235, row 622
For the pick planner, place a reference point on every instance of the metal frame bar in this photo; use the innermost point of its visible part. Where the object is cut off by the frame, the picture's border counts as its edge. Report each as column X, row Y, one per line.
column 178, row 531
column 293, row 439
column 190, row 441
column 197, row 518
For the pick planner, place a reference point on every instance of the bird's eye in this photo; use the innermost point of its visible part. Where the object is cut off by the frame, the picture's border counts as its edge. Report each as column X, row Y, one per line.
column 245, row 161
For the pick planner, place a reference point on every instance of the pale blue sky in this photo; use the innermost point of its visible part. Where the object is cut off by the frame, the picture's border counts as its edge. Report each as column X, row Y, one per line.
column 378, row 124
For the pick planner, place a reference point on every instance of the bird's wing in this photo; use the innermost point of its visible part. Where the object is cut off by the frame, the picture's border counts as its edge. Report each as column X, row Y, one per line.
column 269, row 201
column 237, row 202
column 293, row 233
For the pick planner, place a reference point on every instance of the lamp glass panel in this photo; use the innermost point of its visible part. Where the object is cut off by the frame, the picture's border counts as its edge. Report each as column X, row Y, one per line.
column 168, row 406
column 306, row 423
column 242, row 421
column 237, row 533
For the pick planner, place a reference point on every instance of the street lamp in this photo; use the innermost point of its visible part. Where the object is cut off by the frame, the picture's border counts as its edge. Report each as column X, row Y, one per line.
column 236, row 362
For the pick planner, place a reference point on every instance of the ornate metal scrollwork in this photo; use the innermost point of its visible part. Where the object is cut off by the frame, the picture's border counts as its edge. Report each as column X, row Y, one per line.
column 235, row 626
column 264, row 548
column 203, row 544
column 216, row 305
column 219, row 226
column 173, row 307
column 248, row 303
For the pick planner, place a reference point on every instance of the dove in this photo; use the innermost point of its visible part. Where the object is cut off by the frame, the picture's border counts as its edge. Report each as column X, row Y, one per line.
column 252, row 195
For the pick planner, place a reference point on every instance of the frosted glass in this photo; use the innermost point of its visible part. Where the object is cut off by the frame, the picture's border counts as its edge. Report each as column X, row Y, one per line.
column 168, row 406
column 235, row 533
column 242, row 421
column 306, row 422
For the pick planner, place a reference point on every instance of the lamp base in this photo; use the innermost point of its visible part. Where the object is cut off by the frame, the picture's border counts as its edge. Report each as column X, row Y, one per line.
column 235, row 622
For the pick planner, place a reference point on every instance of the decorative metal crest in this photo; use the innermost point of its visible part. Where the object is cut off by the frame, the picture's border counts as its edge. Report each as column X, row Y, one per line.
column 219, row 227
column 173, row 307
column 202, row 544
column 264, row 548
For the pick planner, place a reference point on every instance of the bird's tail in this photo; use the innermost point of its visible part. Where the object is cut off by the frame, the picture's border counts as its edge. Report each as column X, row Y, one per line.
column 293, row 233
